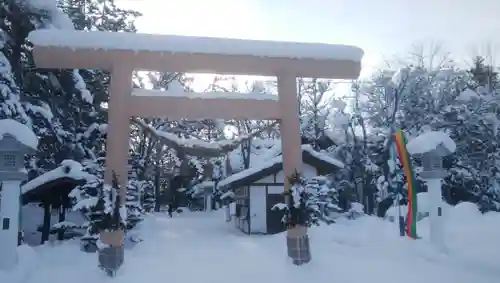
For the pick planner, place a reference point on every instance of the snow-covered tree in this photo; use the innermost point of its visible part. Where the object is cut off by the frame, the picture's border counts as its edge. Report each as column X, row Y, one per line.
column 417, row 99
column 311, row 202
column 148, row 198
column 323, row 200
column 314, row 98
column 11, row 106
column 100, row 203
column 133, row 202
column 299, row 210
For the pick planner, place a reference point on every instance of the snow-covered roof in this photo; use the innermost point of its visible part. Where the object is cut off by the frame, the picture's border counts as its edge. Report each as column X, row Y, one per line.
column 69, row 169
column 430, row 141
column 250, row 171
column 264, row 150
column 276, row 163
column 322, row 156
column 19, row 131
column 189, row 44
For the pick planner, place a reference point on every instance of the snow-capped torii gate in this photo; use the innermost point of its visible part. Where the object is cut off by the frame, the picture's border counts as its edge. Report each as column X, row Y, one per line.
column 122, row 53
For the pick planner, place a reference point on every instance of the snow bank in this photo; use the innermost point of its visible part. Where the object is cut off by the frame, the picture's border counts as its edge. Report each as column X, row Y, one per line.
column 423, row 208
column 69, row 168
column 190, row 44
column 465, row 211
column 194, row 240
column 32, row 218
column 19, row 131
column 27, row 263
column 430, row 141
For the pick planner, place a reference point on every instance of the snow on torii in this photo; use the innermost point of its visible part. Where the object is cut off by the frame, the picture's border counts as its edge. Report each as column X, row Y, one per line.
column 196, row 54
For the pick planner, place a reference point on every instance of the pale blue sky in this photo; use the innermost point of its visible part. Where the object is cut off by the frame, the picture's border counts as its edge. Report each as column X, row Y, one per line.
column 380, row 27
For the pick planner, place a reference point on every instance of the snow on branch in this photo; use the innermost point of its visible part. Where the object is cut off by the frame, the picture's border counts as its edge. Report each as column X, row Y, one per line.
column 196, row 147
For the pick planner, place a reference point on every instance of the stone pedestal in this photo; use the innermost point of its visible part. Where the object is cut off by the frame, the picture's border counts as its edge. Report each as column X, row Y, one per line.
column 112, row 256
column 436, row 213
column 298, row 246
column 9, row 225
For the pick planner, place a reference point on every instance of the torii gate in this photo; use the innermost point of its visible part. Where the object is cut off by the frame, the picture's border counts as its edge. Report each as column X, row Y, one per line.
column 122, row 53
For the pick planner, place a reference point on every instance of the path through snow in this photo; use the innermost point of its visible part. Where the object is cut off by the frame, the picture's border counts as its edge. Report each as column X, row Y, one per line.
column 201, row 247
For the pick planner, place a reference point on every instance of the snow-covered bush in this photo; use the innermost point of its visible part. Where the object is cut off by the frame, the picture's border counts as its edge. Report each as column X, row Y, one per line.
column 135, row 190
column 323, row 200
column 356, row 211
column 100, row 204
column 148, row 199
column 298, row 211
column 311, row 202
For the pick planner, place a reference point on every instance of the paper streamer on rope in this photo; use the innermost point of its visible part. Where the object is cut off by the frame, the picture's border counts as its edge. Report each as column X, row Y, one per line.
column 404, row 158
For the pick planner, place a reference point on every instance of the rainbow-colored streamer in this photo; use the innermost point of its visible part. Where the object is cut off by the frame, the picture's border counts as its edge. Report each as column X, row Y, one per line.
column 404, row 158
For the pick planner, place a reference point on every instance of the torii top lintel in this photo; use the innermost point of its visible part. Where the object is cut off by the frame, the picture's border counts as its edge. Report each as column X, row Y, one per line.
column 107, row 50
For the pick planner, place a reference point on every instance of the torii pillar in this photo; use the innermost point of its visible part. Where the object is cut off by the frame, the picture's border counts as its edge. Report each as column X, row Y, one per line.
column 118, row 130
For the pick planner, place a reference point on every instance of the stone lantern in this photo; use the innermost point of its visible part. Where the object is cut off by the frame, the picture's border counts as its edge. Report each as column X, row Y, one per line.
column 433, row 173
column 12, row 173
column 432, row 162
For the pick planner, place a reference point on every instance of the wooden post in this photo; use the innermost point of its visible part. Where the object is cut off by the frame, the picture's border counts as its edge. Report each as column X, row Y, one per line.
column 158, row 171
column 62, row 217
column 117, row 147
column 118, row 135
column 297, row 239
column 118, row 131
column 47, row 207
column 290, row 126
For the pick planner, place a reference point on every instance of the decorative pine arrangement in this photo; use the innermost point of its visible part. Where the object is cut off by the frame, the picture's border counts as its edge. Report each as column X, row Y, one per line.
column 297, row 212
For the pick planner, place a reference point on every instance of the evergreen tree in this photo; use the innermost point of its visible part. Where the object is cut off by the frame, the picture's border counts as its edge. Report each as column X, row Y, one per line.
column 133, row 203
column 100, row 203
column 11, row 106
column 103, row 15
column 148, row 196
column 314, row 109
column 300, row 209
column 484, row 75
column 323, row 200
column 57, row 101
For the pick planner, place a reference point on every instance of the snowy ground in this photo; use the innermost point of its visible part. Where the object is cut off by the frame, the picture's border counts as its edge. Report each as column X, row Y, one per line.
column 201, row 247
